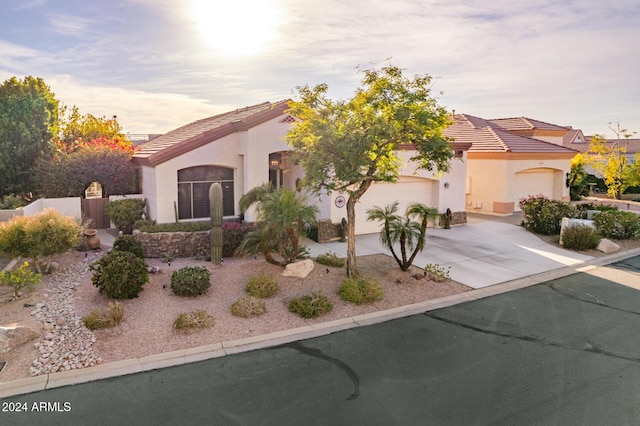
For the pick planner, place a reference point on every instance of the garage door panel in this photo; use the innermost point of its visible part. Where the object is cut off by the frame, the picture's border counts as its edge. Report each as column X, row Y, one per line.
column 532, row 183
column 383, row 194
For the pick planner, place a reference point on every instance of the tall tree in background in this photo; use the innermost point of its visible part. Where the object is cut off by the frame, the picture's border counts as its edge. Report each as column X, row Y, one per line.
column 28, row 124
column 73, row 168
column 611, row 161
column 76, row 127
column 347, row 145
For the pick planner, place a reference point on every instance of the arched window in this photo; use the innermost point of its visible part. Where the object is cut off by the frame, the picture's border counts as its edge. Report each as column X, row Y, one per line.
column 193, row 191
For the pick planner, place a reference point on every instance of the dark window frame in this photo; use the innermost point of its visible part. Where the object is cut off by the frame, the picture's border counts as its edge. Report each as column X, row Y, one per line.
column 193, row 190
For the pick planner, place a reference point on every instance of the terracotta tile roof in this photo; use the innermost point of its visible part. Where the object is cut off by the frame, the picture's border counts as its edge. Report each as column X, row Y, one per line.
column 524, row 123
column 201, row 132
column 633, row 145
column 487, row 136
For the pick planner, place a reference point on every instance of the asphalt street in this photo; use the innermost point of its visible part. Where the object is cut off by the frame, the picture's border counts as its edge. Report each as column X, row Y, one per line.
column 563, row 352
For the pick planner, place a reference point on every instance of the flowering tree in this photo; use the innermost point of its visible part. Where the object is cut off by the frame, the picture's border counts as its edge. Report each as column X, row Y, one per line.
column 73, row 167
column 611, row 161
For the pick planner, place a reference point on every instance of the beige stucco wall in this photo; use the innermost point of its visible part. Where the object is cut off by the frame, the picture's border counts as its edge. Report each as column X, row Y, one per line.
column 493, row 182
column 246, row 152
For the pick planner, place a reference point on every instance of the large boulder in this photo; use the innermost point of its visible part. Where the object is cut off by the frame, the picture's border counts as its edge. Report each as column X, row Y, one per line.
column 298, row 269
column 12, row 337
column 607, row 246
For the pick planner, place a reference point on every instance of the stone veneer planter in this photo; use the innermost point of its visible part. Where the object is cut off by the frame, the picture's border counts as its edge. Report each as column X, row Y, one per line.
column 179, row 244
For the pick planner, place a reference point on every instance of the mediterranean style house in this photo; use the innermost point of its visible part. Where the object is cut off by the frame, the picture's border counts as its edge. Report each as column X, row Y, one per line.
column 511, row 158
column 496, row 163
column 244, row 148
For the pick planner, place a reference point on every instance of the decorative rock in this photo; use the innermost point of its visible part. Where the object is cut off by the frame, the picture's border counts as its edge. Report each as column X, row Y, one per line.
column 65, row 334
column 607, row 246
column 12, row 337
column 298, row 269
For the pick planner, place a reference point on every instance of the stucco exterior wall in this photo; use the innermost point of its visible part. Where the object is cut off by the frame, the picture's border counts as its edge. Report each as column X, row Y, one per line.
column 494, row 188
column 247, row 152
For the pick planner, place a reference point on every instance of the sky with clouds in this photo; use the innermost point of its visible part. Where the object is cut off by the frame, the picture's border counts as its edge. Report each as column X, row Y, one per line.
column 160, row 64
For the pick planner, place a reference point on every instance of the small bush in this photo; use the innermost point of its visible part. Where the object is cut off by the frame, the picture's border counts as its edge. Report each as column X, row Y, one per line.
column 129, row 243
column 115, row 313
column 125, row 213
column 248, row 307
column 11, row 202
column 262, row 286
column 330, row 259
column 120, row 274
column 543, row 215
column 311, row 306
column 144, row 224
column 20, row 279
column 232, row 235
column 360, row 291
column 191, row 281
column 582, row 208
column 437, row 273
column 37, row 236
column 96, row 319
column 194, row 319
column 618, row 224
column 580, row 237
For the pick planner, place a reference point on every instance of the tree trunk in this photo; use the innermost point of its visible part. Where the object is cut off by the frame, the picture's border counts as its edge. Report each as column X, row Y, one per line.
column 352, row 269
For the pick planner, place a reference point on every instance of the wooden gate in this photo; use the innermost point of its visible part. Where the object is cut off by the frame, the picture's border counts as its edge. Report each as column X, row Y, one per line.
column 94, row 209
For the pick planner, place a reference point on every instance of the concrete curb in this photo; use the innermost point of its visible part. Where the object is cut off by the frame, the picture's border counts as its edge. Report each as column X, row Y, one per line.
column 201, row 353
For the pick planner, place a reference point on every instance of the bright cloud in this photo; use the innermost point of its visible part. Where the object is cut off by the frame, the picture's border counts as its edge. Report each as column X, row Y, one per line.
column 159, row 64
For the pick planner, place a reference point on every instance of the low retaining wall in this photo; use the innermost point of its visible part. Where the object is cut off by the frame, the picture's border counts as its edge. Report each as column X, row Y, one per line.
column 178, row 244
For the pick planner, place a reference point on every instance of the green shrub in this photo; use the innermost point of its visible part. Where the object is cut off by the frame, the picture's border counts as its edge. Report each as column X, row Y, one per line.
column 580, row 237
column 125, row 213
column 262, row 286
column 37, row 236
column 232, row 235
column 129, row 243
column 20, row 279
column 248, row 307
column 194, row 319
column 618, row 224
column 152, row 228
column 11, row 202
column 191, row 281
column 330, row 259
column 120, row 274
column 543, row 215
column 582, row 208
column 311, row 306
column 437, row 273
column 360, row 290
column 144, row 224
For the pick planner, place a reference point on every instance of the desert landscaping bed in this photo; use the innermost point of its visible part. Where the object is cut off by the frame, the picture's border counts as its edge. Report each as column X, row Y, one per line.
column 148, row 326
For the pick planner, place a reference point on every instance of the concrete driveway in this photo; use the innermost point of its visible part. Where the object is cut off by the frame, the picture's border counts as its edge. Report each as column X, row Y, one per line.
column 483, row 252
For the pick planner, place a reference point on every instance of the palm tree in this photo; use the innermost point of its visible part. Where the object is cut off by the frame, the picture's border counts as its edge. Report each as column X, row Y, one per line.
column 406, row 231
column 282, row 214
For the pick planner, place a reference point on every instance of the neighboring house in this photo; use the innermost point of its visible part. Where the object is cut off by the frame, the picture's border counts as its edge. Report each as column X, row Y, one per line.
column 512, row 158
column 582, row 144
column 245, row 148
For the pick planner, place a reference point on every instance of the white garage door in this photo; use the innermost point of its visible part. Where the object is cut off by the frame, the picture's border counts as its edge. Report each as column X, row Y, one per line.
column 406, row 191
column 533, row 182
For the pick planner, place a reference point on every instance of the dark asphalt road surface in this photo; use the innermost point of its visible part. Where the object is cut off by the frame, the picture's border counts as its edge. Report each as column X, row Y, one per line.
column 564, row 352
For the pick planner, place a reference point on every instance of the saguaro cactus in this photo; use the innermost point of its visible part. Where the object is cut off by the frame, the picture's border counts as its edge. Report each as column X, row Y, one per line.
column 215, row 203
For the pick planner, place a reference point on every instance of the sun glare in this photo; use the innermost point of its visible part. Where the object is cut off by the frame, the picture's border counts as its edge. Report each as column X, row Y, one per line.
column 237, row 27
